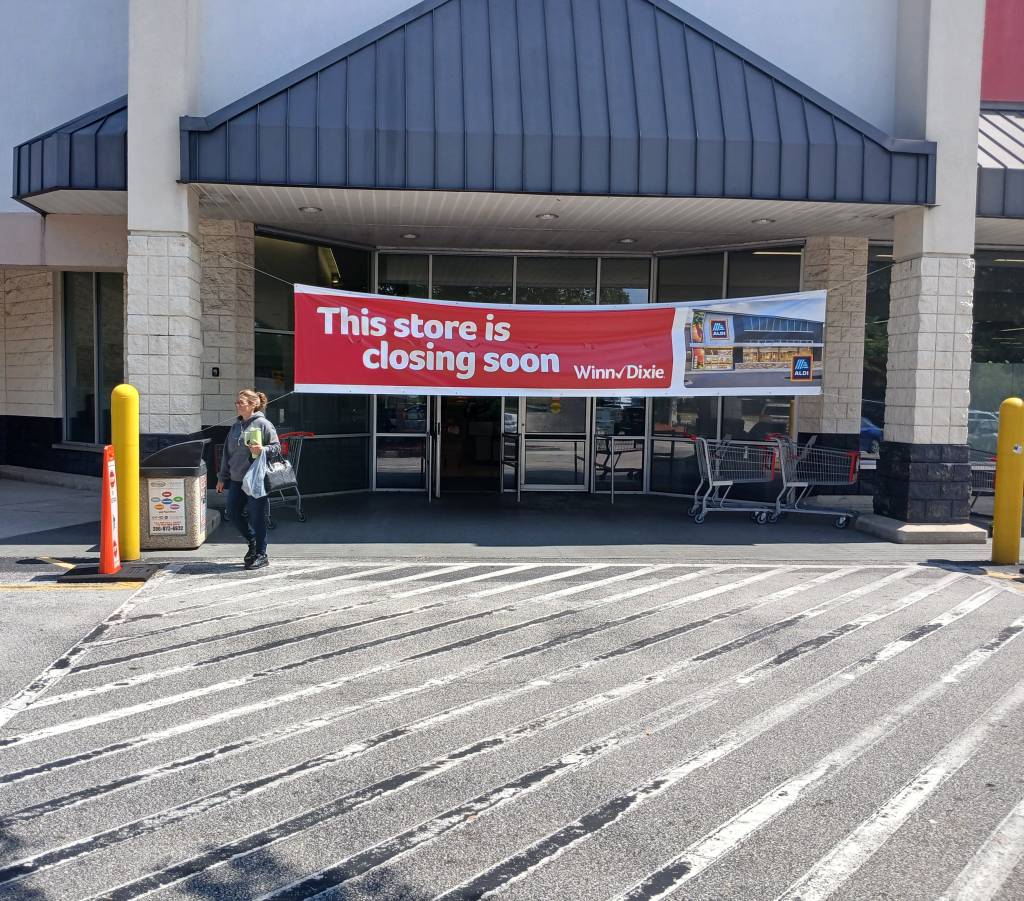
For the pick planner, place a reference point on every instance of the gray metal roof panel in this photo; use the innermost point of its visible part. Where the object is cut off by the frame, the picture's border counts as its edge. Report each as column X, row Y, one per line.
column 1001, row 162
column 88, row 153
column 631, row 97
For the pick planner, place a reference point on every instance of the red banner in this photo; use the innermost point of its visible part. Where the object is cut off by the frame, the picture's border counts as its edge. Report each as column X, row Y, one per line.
column 366, row 344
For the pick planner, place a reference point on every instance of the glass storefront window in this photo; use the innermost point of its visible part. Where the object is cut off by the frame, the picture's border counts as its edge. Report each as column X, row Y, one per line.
column 556, row 415
column 79, row 357
column 403, row 275
column 93, row 352
column 876, row 348
column 685, row 416
column 549, row 280
column 997, row 358
column 620, row 416
column 401, row 462
column 625, row 281
column 771, row 271
column 472, row 279
column 694, row 277
column 402, row 413
column 279, row 264
column 754, row 418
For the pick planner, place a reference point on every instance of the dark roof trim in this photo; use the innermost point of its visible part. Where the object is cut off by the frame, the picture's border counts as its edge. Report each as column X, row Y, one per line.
column 89, row 152
column 1000, row 193
column 592, row 97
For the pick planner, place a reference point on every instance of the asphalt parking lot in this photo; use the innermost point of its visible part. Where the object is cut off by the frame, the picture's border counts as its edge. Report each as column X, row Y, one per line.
column 524, row 728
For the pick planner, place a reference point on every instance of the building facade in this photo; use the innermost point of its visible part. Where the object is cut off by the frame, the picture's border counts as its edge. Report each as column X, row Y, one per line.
column 517, row 151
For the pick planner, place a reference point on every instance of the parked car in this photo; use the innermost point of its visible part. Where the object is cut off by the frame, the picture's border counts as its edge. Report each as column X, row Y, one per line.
column 870, row 436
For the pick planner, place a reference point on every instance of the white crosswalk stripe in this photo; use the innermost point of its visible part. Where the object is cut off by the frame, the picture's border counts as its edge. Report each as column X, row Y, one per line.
column 218, row 725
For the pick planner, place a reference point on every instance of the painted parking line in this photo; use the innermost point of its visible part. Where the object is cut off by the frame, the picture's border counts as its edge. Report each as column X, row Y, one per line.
column 236, row 792
column 835, row 868
column 830, row 873
column 496, row 574
column 60, row 667
column 330, row 685
column 549, row 848
column 995, row 860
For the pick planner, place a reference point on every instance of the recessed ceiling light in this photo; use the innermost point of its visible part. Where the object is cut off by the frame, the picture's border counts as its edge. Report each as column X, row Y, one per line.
column 410, row 235
column 1007, row 260
column 776, row 253
column 764, row 220
column 547, row 216
column 310, row 209
column 627, row 240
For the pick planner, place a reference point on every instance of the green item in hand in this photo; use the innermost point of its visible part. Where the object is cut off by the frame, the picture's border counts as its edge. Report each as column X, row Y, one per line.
column 254, row 439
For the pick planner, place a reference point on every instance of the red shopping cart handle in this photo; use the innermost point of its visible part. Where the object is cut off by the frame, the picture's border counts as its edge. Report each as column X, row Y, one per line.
column 284, row 436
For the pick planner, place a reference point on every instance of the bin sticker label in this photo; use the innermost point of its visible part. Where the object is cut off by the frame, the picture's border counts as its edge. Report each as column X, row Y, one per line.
column 166, row 510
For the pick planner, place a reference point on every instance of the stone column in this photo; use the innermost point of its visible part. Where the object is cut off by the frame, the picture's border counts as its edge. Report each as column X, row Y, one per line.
column 163, row 325
column 837, row 265
column 163, row 331
column 924, row 474
column 227, row 288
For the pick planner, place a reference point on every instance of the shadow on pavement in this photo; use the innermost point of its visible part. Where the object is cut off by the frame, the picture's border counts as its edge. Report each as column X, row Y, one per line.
column 540, row 520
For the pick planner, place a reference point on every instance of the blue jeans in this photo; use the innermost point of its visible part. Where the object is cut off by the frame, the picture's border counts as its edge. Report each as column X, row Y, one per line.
column 255, row 527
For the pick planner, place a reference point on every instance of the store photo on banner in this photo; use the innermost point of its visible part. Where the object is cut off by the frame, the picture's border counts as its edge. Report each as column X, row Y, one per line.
column 359, row 343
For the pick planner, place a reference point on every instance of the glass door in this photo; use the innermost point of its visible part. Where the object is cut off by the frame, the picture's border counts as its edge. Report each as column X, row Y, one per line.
column 401, row 442
column 620, row 447
column 555, row 445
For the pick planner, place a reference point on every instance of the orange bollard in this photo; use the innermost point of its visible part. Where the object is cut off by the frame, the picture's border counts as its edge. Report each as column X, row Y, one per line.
column 110, row 555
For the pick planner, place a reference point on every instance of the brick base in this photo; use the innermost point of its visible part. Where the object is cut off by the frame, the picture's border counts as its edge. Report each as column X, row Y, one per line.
column 924, row 483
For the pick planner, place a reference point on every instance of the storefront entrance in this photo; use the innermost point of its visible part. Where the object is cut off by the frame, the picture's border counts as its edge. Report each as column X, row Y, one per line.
column 469, row 439
column 548, row 436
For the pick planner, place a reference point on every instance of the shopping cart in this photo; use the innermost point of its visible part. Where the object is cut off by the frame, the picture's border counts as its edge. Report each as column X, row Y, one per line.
column 805, row 467
column 723, row 464
column 291, row 450
column 983, row 475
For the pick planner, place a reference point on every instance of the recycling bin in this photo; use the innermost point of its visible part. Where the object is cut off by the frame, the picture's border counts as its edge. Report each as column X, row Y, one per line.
column 172, row 497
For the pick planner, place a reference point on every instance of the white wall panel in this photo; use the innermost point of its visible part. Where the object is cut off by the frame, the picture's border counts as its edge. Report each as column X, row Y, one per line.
column 58, row 59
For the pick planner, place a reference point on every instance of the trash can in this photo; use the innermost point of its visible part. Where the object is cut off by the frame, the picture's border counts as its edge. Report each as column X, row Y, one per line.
column 172, row 496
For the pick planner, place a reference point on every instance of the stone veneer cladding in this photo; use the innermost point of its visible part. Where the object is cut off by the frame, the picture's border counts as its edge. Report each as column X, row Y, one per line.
column 28, row 332
column 227, row 288
column 839, row 266
column 923, row 472
column 929, row 369
column 163, row 330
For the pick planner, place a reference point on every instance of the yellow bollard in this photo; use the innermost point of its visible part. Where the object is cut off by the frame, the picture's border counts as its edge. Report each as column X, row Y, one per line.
column 1009, row 490
column 124, row 414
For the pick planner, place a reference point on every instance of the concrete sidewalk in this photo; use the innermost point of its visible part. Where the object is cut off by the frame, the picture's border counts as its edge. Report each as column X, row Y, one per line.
column 62, row 522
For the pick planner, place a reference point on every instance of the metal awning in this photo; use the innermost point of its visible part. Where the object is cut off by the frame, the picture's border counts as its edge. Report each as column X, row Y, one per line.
column 1001, row 163
column 589, row 97
column 89, row 153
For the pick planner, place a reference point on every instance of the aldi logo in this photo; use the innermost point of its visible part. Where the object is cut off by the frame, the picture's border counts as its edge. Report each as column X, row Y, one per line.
column 719, row 330
column 800, row 368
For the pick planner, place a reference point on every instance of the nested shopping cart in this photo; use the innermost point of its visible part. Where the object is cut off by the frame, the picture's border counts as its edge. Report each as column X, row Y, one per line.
column 723, row 464
column 806, row 467
column 983, row 475
column 291, row 450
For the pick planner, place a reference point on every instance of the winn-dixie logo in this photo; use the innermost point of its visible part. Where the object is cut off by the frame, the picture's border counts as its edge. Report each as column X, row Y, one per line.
column 591, row 373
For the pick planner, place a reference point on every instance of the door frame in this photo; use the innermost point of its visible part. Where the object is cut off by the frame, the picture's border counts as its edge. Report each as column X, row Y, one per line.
column 587, row 463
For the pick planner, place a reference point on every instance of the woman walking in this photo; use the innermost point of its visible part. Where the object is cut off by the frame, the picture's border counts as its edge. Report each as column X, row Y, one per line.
column 251, row 435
